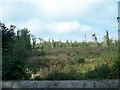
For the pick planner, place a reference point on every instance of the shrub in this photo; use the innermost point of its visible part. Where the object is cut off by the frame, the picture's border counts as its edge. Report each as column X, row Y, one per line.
column 73, row 75
column 55, row 75
column 115, row 71
column 80, row 60
column 38, row 53
column 110, row 55
column 68, row 53
column 100, row 72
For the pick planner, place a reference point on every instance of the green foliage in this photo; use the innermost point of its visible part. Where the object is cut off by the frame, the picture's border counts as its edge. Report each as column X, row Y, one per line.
column 115, row 72
column 108, row 41
column 110, row 55
column 23, row 36
column 80, row 59
column 14, row 65
column 15, row 58
column 73, row 75
column 38, row 52
column 36, row 64
column 68, row 53
column 100, row 72
column 104, row 72
column 55, row 75
column 7, row 37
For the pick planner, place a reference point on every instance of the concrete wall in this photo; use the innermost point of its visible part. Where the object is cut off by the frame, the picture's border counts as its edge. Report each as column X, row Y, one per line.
column 63, row 84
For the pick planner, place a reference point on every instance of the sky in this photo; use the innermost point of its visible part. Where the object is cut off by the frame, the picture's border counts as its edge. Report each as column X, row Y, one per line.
column 62, row 19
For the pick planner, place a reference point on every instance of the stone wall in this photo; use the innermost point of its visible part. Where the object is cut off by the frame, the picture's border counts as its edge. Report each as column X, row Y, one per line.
column 63, row 84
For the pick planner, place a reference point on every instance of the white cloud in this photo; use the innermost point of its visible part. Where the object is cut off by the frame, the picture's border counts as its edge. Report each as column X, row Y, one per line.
column 63, row 27
column 66, row 27
column 36, row 26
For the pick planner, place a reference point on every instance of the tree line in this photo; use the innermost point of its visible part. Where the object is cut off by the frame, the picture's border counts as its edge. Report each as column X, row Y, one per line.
column 51, row 43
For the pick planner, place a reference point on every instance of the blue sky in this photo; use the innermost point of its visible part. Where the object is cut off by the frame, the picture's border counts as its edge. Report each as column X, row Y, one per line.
column 62, row 19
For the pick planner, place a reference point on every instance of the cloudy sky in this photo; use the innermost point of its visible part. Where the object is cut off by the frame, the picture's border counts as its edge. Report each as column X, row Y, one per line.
column 62, row 19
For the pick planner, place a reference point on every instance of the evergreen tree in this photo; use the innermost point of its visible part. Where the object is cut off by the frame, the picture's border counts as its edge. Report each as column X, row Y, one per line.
column 15, row 52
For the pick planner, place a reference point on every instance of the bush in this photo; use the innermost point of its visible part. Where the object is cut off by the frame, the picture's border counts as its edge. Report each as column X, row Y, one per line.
column 100, row 72
column 38, row 53
column 68, row 53
column 55, row 75
column 73, row 75
column 37, row 63
column 115, row 71
column 80, row 60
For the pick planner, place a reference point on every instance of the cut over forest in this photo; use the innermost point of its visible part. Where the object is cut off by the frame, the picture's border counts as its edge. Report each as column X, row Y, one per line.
column 24, row 59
